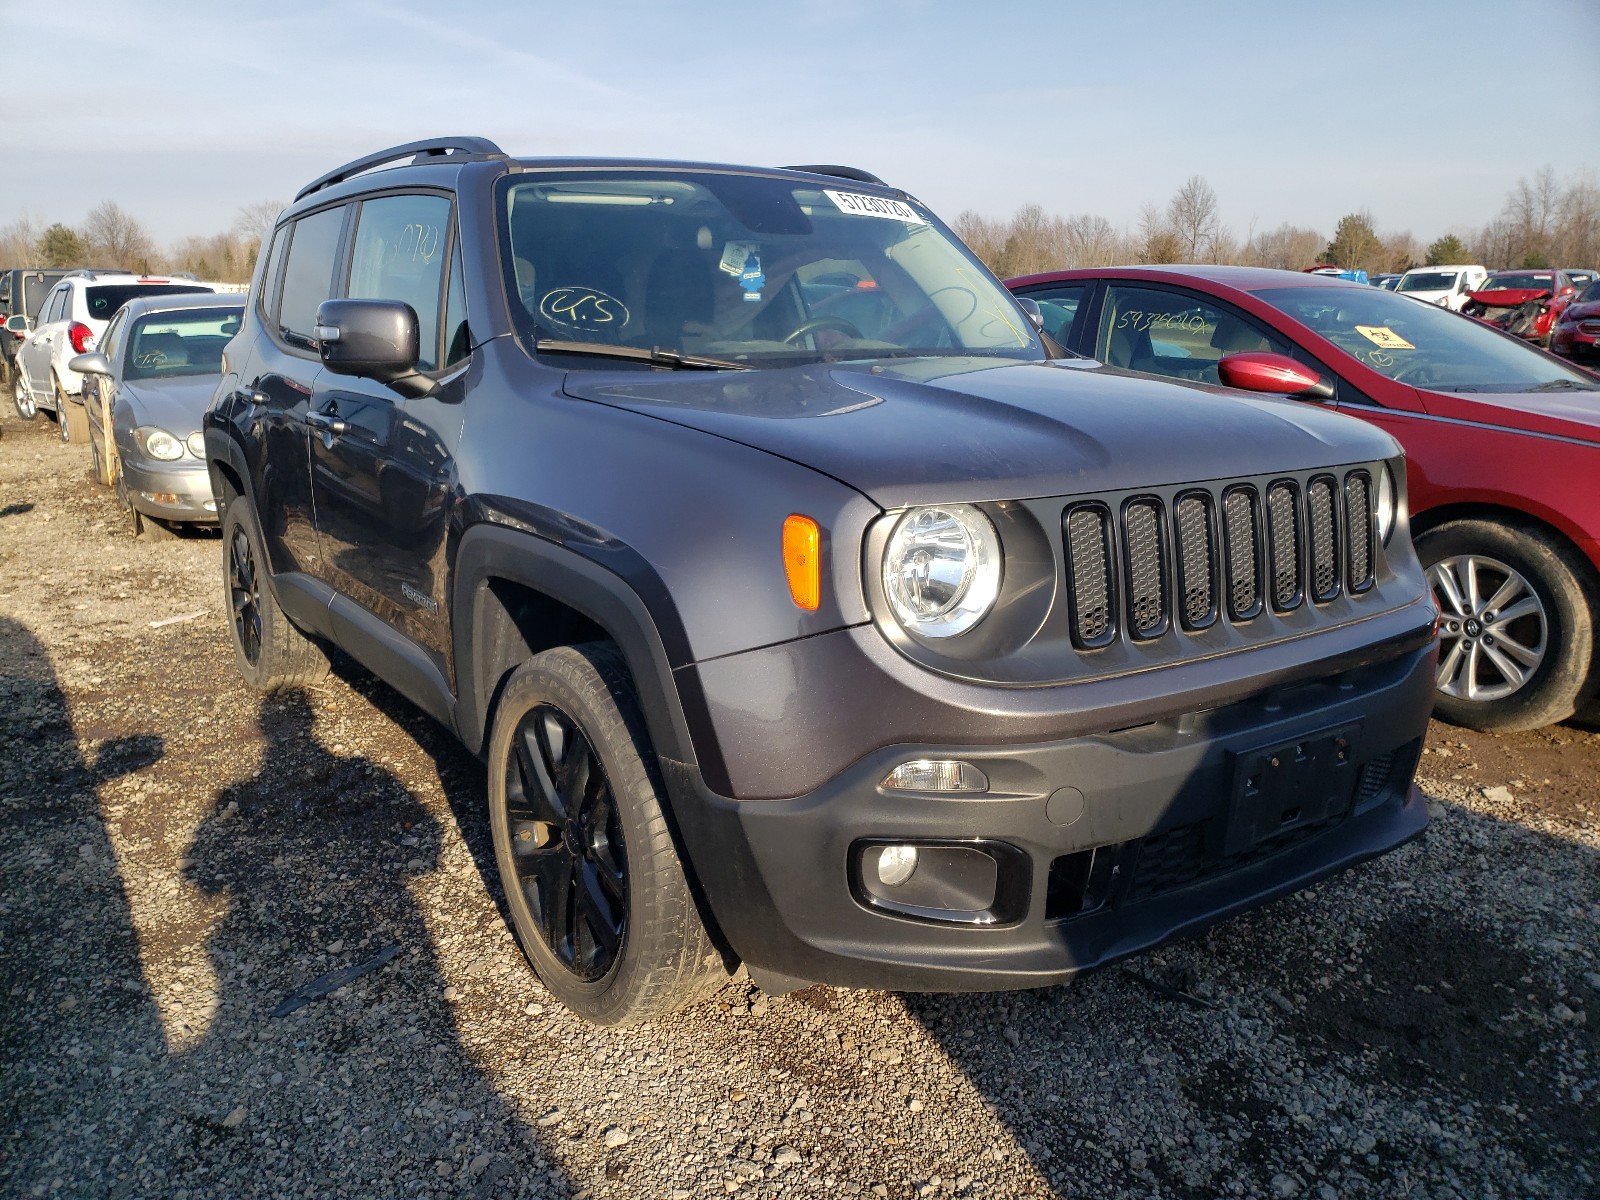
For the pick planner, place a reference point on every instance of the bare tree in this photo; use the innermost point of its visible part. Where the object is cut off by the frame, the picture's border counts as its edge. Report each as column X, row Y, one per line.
column 1159, row 242
column 1288, row 247
column 19, row 242
column 1192, row 219
column 984, row 237
column 115, row 238
column 1091, row 241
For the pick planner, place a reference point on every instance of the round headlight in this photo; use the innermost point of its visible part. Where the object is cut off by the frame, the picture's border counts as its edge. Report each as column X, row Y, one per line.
column 941, row 570
column 196, row 442
column 1385, row 504
column 158, row 443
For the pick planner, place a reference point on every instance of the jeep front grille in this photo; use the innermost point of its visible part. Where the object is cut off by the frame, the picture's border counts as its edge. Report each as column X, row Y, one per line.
column 1231, row 550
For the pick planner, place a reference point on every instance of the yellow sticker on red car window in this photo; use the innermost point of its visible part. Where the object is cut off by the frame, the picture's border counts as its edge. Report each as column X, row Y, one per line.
column 1383, row 336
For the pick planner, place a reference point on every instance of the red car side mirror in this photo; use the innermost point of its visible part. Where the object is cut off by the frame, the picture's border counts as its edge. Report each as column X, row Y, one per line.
column 1261, row 371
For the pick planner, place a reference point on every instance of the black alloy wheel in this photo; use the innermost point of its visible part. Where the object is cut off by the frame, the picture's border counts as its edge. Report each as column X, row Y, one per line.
column 244, row 594
column 566, row 842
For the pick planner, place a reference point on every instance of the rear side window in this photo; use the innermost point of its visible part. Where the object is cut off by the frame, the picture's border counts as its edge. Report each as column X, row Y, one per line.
column 53, row 309
column 308, row 275
column 111, row 343
column 101, row 303
column 399, row 255
column 269, row 278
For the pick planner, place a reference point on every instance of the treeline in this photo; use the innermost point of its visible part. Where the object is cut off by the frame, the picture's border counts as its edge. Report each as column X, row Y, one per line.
column 112, row 238
column 1543, row 223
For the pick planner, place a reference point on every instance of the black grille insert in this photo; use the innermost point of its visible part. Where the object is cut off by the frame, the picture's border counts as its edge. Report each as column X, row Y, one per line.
column 1089, row 592
column 1358, row 523
column 1283, row 519
column 1195, row 571
column 1324, row 549
column 1147, row 567
column 1239, row 531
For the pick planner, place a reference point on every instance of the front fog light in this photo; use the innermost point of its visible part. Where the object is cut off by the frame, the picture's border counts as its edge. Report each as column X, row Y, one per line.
column 896, row 865
column 936, row 775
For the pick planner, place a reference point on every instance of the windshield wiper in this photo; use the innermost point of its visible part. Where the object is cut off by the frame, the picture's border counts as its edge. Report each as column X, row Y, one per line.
column 650, row 354
column 1563, row 385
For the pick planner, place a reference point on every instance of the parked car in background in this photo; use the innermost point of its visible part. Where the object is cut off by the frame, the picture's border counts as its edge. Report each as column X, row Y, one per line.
column 73, row 316
column 1386, row 282
column 1502, row 448
column 1524, row 303
column 1576, row 332
column 855, row 652
column 1353, row 274
column 1445, row 286
column 144, row 392
column 22, row 293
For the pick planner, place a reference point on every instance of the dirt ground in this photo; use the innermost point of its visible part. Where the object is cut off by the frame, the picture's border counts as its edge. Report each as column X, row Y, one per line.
column 179, row 855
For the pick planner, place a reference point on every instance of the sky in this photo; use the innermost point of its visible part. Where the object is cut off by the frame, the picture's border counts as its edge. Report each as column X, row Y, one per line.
column 183, row 113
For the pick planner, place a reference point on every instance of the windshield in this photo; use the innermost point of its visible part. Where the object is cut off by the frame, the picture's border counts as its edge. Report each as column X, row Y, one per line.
column 189, row 342
column 1521, row 282
column 1422, row 344
column 1589, row 294
column 746, row 269
column 1428, row 281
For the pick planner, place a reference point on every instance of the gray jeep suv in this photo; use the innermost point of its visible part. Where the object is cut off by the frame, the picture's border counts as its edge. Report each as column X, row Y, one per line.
column 808, row 607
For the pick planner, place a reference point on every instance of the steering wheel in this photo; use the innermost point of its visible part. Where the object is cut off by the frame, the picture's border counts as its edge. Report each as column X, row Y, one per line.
column 1417, row 374
column 819, row 323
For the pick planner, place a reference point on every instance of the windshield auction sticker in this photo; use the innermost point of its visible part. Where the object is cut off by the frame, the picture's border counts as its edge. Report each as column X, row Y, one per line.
column 858, row 205
column 1384, row 337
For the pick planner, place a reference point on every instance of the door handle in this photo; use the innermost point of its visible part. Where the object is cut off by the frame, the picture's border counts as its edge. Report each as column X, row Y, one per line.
column 325, row 422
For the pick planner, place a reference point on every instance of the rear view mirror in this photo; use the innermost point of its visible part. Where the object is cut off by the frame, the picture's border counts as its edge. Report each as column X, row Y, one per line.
column 1278, row 374
column 1034, row 313
column 17, row 324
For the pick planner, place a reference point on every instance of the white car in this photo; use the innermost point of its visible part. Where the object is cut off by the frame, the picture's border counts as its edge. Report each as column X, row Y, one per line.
column 74, row 315
column 1446, row 286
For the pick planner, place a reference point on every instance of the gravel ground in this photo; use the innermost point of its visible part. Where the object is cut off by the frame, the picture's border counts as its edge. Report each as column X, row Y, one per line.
column 180, row 856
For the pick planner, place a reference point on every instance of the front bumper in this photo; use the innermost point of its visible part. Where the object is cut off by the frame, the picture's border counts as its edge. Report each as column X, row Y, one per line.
column 175, row 491
column 1152, row 840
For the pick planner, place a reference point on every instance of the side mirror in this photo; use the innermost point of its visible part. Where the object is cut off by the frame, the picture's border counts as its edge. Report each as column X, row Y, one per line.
column 375, row 339
column 93, row 363
column 1261, row 371
column 17, row 324
column 1034, row 313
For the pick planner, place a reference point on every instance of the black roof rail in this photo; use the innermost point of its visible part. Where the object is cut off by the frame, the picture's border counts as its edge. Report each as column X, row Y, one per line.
column 474, row 147
column 842, row 172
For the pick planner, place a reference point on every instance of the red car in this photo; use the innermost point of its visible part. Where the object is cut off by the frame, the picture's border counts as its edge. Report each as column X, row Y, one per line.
column 1526, row 303
column 1577, row 331
column 1502, row 444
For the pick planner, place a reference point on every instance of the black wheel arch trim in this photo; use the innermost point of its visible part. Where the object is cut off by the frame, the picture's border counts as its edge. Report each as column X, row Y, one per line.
column 605, row 581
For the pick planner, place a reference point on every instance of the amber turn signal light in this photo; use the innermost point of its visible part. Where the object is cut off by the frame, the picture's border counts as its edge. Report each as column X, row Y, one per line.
column 802, row 561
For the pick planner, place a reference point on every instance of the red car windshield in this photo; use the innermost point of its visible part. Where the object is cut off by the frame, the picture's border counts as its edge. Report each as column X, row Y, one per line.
column 1422, row 344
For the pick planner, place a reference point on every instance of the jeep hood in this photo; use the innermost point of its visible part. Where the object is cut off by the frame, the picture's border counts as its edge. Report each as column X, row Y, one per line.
column 931, row 430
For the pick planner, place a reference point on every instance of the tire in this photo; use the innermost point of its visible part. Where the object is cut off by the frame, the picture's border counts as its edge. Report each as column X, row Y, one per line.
column 269, row 650
column 22, row 399
column 597, row 896
column 71, row 420
column 1521, row 569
